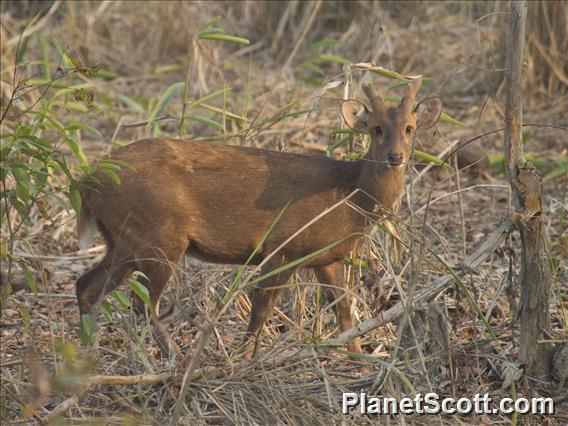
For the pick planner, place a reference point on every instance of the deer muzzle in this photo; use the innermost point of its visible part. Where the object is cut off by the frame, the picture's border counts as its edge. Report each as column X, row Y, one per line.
column 395, row 159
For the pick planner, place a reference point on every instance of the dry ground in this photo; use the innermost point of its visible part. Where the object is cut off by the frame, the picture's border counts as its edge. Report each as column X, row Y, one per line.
column 448, row 349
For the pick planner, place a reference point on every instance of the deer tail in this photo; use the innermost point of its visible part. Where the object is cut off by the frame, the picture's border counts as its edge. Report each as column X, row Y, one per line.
column 85, row 228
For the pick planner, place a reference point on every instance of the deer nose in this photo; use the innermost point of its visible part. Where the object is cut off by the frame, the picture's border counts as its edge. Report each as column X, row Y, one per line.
column 395, row 159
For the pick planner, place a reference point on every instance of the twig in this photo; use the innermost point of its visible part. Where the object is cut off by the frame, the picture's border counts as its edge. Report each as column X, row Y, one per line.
column 553, row 126
column 40, row 24
column 305, row 28
column 65, row 406
column 145, row 379
column 467, row 188
column 396, row 311
column 426, row 294
column 189, row 372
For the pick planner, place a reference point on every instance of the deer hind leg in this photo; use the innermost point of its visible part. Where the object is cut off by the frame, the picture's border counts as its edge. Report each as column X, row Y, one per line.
column 158, row 266
column 104, row 277
column 336, row 287
column 264, row 297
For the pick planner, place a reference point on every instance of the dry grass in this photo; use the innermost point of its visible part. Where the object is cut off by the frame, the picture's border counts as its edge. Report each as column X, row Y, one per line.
column 294, row 380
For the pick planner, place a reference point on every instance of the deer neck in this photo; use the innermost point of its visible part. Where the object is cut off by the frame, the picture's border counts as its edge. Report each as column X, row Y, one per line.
column 379, row 184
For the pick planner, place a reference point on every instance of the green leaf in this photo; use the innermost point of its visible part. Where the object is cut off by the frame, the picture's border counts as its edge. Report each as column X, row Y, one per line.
column 553, row 266
column 62, row 52
column 343, row 141
column 76, row 149
column 212, row 22
column 88, row 328
column 355, row 262
column 208, row 31
column 316, row 82
column 44, row 47
column 235, row 283
column 334, row 59
column 23, row 193
column 70, row 90
column 161, row 105
column 143, row 334
column 25, row 314
column 326, row 42
column 107, row 74
column 496, row 161
column 431, row 158
column 106, row 309
column 78, row 125
column 112, row 175
column 228, row 114
column 425, row 80
column 561, row 170
column 313, row 68
column 130, row 103
column 385, row 73
column 20, row 173
column 60, row 200
column 74, row 198
column 163, row 69
column 206, row 121
column 140, row 290
column 22, row 183
column 121, row 298
column 445, row 118
column 299, row 261
column 137, row 274
column 225, row 37
column 116, row 164
column 29, row 276
column 71, row 106
column 104, row 164
column 208, row 97
column 4, row 151
column 61, row 165
column 20, row 208
column 40, row 143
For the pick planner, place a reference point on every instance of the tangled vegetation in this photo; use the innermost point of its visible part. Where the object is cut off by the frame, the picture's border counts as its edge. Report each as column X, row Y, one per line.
column 81, row 78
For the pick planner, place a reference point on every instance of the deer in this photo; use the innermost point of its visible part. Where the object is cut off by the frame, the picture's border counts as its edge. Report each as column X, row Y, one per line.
column 215, row 202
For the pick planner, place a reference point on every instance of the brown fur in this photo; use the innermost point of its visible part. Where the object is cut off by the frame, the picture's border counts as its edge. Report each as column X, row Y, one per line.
column 215, row 202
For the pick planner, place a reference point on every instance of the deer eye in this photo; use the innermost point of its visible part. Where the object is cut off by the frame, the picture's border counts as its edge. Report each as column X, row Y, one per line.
column 377, row 131
column 409, row 130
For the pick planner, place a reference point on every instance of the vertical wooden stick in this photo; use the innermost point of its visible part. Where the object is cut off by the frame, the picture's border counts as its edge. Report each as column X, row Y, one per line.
column 526, row 190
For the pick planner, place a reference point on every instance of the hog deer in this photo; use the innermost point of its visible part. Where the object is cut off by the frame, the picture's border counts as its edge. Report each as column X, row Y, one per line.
column 215, row 202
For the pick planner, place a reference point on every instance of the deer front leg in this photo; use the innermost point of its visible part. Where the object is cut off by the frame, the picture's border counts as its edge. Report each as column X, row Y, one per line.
column 265, row 296
column 336, row 287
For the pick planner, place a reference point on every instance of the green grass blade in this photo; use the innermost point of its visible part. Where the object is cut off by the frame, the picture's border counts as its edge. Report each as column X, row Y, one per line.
column 444, row 118
column 236, row 281
column 130, row 103
column 208, row 97
column 205, row 120
column 298, row 262
column 161, row 105
column 334, row 59
column 225, row 37
column 326, row 42
column 561, row 170
column 221, row 111
column 431, row 158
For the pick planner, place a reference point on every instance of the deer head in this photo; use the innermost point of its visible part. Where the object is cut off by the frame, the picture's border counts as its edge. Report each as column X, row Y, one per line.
column 391, row 128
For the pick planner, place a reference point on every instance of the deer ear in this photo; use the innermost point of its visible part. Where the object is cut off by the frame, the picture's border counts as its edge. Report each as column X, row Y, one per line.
column 355, row 114
column 428, row 112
